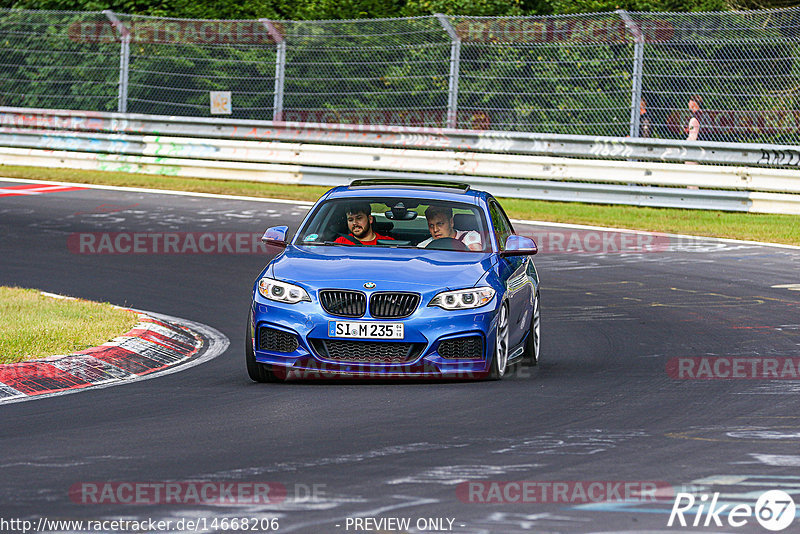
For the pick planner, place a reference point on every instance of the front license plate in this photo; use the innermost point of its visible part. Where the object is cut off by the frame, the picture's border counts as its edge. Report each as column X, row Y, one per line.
column 365, row 330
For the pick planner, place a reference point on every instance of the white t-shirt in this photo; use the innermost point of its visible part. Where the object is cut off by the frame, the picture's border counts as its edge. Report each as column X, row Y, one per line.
column 468, row 237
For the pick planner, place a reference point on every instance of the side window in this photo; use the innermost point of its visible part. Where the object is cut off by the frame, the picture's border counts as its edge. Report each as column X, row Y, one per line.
column 502, row 226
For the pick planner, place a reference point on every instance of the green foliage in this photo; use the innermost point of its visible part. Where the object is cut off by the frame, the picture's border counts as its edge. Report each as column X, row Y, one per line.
column 36, row 72
column 534, row 88
column 346, row 9
column 595, row 6
column 567, row 75
column 475, row 8
column 359, row 9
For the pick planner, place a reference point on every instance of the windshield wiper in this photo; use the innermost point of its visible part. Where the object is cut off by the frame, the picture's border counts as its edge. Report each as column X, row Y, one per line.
column 335, row 244
column 304, row 243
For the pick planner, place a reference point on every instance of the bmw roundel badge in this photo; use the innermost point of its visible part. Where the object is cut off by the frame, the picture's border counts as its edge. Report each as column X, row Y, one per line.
column 369, row 285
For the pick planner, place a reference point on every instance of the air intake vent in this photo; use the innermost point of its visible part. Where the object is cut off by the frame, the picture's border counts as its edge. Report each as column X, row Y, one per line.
column 276, row 340
column 343, row 303
column 464, row 348
column 367, row 351
column 393, row 305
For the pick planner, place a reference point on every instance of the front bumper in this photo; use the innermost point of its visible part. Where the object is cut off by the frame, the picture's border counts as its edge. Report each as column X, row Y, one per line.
column 426, row 328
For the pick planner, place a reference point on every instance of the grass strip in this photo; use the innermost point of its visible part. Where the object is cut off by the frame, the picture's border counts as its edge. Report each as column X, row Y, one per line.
column 748, row 226
column 33, row 325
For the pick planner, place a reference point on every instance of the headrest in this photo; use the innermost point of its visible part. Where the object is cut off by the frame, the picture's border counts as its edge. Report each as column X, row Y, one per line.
column 465, row 221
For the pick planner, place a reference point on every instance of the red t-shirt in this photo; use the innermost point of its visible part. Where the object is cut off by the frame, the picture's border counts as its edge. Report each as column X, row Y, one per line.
column 345, row 241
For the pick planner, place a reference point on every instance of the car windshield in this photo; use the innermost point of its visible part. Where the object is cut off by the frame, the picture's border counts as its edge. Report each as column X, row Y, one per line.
column 397, row 223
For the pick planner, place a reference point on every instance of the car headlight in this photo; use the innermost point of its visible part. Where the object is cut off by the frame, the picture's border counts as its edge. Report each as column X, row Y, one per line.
column 281, row 291
column 463, row 299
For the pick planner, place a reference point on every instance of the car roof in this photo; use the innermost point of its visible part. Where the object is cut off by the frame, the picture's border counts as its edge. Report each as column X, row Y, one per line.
column 448, row 191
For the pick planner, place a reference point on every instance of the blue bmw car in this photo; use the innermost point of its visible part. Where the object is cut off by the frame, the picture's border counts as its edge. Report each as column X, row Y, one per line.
column 390, row 278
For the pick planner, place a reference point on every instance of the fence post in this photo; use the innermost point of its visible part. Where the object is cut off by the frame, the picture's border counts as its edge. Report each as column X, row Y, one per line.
column 280, row 67
column 636, row 77
column 124, row 60
column 455, row 65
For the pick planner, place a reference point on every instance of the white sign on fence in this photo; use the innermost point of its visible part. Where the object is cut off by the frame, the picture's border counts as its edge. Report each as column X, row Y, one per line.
column 221, row 103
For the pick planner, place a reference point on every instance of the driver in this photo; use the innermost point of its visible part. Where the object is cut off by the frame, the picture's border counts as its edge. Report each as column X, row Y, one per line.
column 440, row 225
column 359, row 222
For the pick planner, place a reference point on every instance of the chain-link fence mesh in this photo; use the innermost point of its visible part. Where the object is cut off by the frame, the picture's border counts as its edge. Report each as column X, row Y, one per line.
column 616, row 74
column 745, row 68
column 43, row 63
column 175, row 64
column 391, row 71
column 569, row 75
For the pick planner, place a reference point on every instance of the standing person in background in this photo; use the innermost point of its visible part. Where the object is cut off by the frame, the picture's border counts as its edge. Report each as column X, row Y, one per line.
column 693, row 129
column 644, row 119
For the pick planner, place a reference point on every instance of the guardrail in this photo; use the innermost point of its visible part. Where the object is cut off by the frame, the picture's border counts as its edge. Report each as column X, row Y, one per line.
column 497, row 161
column 624, row 148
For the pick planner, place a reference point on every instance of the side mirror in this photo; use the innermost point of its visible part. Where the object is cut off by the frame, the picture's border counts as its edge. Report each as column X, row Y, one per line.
column 275, row 236
column 517, row 245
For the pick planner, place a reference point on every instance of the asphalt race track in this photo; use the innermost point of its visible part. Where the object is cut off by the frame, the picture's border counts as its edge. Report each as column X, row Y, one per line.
column 605, row 406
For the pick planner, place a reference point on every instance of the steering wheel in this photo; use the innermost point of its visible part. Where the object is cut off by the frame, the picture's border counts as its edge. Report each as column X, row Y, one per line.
column 447, row 243
column 350, row 239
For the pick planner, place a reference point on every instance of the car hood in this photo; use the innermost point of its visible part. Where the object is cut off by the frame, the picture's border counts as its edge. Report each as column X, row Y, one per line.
column 400, row 269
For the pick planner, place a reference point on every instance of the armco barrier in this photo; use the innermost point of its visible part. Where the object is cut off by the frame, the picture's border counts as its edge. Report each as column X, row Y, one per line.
column 623, row 148
column 327, row 176
column 254, row 151
column 412, row 160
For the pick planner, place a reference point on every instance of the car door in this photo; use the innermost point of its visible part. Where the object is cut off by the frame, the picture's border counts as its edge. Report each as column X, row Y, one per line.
column 513, row 271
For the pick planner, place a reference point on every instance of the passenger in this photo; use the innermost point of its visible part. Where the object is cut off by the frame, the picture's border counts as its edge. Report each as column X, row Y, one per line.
column 359, row 222
column 440, row 224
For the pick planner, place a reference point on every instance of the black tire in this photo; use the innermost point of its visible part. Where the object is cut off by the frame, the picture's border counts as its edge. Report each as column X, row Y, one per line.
column 533, row 343
column 499, row 365
column 258, row 372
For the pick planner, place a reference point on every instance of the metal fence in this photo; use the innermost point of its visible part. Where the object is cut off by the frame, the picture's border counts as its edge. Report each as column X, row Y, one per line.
column 614, row 74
